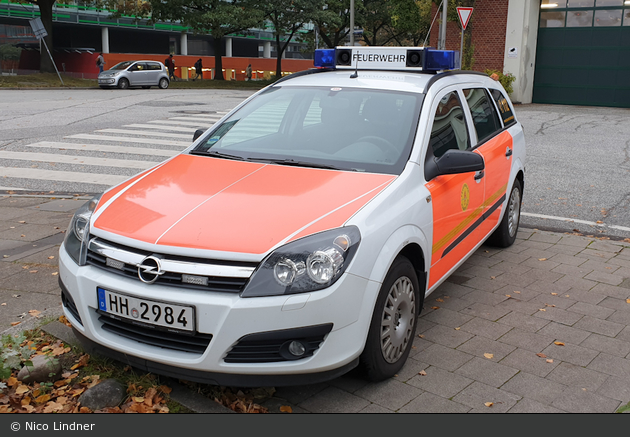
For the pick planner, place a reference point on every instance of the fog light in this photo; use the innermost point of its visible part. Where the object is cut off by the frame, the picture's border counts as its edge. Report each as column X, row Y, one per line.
column 296, row 348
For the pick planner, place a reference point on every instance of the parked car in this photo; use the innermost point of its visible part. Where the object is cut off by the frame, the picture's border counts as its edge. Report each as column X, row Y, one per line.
column 127, row 74
column 298, row 237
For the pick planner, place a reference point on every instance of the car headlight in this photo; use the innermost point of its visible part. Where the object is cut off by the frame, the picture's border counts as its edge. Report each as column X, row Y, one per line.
column 78, row 232
column 308, row 264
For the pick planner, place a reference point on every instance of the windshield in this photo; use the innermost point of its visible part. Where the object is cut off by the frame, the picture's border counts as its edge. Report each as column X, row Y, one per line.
column 327, row 127
column 122, row 65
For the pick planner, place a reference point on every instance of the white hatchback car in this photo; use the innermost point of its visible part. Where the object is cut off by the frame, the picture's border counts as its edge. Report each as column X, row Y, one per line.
column 298, row 237
column 128, row 74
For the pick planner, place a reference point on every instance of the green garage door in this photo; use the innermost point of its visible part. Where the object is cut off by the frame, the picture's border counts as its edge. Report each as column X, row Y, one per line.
column 583, row 53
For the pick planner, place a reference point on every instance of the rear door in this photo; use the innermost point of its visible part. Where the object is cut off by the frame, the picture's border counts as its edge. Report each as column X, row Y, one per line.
column 457, row 199
column 153, row 73
column 495, row 145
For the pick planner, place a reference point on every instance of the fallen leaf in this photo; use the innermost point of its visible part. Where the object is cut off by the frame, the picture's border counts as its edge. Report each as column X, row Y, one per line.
column 599, row 221
column 488, row 404
column 422, row 373
column 507, row 295
column 85, row 410
column 25, row 400
column 51, row 257
column 493, row 277
column 420, row 335
column 149, row 395
column 33, row 271
column 627, row 300
column 12, row 381
column 458, row 328
column 3, row 304
column 549, row 305
column 15, row 323
column 542, row 309
column 542, row 259
column 22, row 235
column 22, row 389
column 517, row 292
column 138, row 399
column 435, row 308
column 286, row 409
column 549, row 360
column 55, row 273
column 559, row 343
column 541, row 355
column 165, row 389
column 554, row 294
column 21, row 221
column 53, row 407
column 5, row 256
column 34, row 313
column 43, row 398
column 439, row 300
column 488, row 356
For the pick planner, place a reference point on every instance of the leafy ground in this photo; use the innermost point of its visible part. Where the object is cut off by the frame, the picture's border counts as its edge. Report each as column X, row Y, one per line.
column 146, row 393
column 51, row 80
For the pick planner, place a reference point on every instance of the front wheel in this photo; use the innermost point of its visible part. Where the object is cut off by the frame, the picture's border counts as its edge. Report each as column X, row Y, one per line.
column 393, row 324
column 123, row 84
column 163, row 83
column 505, row 234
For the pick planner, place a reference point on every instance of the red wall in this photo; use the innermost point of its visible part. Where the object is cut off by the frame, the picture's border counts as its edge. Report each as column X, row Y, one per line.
column 86, row 63
column 488, row 24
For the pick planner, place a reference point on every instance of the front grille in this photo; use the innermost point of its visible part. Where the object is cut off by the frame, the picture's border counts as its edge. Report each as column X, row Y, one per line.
column 268, row 347
column 196, row 343
column 175, row 267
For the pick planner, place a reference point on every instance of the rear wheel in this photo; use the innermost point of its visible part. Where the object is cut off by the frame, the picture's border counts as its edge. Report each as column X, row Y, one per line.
column 123, row 84
column 393, row 323
column 163, row 83
column 505, row 234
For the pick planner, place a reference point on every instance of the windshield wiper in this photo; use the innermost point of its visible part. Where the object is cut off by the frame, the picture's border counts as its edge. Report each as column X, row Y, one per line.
column 218, row 154
column 299, row 163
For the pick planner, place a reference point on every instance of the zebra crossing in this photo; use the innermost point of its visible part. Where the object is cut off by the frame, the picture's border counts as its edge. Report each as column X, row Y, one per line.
column 95, row 161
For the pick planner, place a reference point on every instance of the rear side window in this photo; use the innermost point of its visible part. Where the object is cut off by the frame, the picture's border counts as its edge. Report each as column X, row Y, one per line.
column 504, row 108
column 484, row 116
column 153, row 66
column 449, row 126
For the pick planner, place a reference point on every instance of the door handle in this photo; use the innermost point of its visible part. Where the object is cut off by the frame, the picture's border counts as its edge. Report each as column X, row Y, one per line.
column 479, row 175
column 508, row 152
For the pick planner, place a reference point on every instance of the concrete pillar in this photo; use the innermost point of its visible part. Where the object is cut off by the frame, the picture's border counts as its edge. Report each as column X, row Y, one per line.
column 184, row 43
column 104, row 39
column 267, row 49
column 228, row 47
column 520, row 47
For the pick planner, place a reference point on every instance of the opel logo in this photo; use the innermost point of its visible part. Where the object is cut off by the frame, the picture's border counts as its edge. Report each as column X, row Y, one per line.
column 150, row 269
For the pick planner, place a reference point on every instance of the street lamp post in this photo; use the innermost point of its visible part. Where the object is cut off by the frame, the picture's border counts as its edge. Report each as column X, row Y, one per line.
column 352, row 22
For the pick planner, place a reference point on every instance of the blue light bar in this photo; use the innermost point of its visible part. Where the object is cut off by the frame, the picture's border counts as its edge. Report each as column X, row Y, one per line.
column 441, row 59
column 324, row 58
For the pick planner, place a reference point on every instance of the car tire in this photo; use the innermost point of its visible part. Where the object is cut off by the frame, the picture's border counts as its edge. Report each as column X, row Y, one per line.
column 393, row 324
column 123, row 83
column 505, row 234
column 163, row 83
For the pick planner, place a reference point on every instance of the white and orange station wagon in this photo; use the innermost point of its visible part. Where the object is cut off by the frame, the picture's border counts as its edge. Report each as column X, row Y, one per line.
column 298, row 237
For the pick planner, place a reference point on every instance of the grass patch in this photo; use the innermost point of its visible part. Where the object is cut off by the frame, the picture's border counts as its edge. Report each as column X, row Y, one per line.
column 51, row 80
column 44, row 80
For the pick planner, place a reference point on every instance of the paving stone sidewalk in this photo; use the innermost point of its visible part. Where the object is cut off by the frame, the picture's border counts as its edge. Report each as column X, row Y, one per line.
column 540, row 327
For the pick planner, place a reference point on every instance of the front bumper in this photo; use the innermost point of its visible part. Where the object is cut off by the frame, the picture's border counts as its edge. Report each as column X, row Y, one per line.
column 227, row 318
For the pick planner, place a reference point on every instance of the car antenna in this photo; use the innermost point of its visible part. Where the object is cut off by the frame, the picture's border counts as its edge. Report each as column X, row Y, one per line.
column 356, row 69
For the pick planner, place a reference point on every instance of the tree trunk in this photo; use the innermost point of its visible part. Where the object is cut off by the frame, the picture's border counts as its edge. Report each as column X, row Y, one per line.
column 279, row 51
column 218, row 59
column 45, row 9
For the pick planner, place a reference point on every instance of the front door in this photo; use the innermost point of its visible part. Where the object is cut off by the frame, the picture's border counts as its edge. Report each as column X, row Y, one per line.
column 138, row 74
column 495, row 146
column 457, row 199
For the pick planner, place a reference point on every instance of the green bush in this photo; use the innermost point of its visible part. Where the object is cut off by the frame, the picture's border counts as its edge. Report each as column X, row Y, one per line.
column 505, row 79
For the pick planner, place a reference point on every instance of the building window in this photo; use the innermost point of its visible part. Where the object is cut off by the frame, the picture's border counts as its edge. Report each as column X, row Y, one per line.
column 581, row 4
column 548, row 4
column 552, row 19
column 579, row 18
column 609, row 3
column 608, row 17
column 626, row 18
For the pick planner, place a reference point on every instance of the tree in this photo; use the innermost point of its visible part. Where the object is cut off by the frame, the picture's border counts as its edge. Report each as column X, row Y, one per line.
column 332, row 21
column 411, row 20
column 218, row 18
column 46, row 14
column 287, row 17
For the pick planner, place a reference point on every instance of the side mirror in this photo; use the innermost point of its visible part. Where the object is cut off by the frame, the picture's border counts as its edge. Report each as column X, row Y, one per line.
column 453, row 162
column 197, row 134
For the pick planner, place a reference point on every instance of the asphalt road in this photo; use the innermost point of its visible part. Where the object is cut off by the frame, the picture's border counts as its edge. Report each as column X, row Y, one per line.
column 577, row 170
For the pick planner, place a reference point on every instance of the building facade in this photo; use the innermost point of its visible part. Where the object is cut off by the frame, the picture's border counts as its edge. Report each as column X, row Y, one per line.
column 574, row 52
